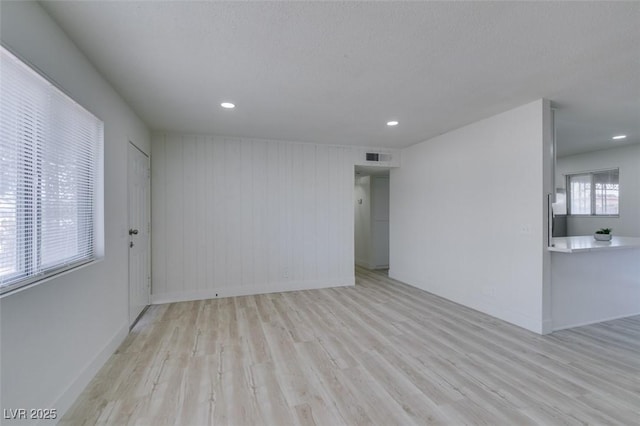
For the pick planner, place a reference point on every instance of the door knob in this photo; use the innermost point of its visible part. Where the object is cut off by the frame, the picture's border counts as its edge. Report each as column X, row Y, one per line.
column 133, row 232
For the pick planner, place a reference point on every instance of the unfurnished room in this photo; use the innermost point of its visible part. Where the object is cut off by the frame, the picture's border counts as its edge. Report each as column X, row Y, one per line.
column 319, row 213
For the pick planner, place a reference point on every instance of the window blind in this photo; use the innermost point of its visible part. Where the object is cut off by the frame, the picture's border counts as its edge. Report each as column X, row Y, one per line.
column 50, row 169
column 580, row 193
column 607, row 191
column 594, row 193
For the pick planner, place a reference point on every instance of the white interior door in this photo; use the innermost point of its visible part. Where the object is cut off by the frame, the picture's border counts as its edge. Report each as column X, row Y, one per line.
column 139, row 227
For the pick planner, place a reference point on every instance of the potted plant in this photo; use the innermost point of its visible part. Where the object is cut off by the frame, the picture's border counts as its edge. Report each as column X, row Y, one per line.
column 603, row 234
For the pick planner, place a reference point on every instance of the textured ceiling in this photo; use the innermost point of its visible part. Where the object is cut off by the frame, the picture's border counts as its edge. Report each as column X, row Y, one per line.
column 336, row 72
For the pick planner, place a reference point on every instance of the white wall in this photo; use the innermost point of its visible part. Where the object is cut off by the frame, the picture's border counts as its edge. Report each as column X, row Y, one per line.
column 627, row 159
column 238, row 216
column 56, row 336
column 468, row 216
column 362, row 220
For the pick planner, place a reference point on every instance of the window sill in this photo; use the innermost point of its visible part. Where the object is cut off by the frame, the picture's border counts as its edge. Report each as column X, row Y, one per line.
column 50, row 277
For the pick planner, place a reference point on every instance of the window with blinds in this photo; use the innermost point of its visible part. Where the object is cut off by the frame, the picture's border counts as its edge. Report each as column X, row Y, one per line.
column 594, row 193
column 50, row 178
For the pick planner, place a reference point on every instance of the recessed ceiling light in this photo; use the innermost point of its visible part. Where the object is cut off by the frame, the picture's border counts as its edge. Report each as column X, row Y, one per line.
column 392, row 123
column 619, row 137
column 227, row 105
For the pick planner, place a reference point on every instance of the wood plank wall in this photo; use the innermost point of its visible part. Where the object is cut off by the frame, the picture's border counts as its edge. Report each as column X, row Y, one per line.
column 237, row 216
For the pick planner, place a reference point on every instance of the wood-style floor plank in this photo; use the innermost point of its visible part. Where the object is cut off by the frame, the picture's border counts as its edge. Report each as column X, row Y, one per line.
column 379, row 353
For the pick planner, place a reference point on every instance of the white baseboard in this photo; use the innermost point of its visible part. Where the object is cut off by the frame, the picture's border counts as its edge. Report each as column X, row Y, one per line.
column 581, row 324
column 363, row 264
column 547, row 326
column 68, row 397
column 240, row 290
column 370, row 266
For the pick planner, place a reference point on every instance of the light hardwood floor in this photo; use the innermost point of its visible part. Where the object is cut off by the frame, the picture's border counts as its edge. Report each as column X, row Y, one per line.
column 379, row 353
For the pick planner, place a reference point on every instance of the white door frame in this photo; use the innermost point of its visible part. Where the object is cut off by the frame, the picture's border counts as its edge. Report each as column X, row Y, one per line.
column 132, row 238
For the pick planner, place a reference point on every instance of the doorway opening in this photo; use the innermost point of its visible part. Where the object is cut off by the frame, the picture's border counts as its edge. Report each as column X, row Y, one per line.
column 371, row 217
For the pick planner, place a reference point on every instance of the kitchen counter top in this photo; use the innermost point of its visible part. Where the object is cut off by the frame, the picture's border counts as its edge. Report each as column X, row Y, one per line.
column 585, row 243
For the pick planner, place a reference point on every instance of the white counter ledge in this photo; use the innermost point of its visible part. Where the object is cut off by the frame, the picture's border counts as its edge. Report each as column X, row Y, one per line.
column 588, row 243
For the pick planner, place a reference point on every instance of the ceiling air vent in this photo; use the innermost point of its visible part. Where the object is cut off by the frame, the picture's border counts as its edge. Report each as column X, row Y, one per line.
column 373, row 156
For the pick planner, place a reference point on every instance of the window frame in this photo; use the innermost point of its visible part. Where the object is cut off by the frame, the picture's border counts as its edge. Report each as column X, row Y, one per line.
column 592, row 197
column 29, row 250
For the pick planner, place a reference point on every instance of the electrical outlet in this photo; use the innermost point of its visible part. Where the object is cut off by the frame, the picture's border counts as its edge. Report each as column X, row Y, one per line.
column 285, row 272
column 526, row 229
column 489, row 291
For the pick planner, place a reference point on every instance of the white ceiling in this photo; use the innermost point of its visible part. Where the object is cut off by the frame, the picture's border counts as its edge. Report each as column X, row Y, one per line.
column 336, row 72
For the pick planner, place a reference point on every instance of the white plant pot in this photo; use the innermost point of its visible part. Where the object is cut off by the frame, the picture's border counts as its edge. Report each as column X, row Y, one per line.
column 602, row 237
